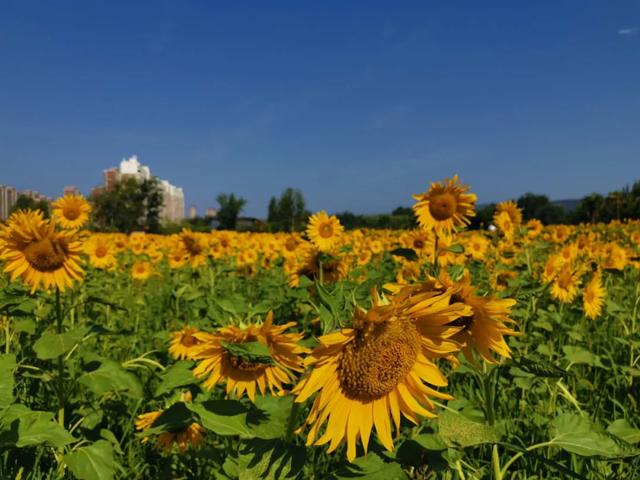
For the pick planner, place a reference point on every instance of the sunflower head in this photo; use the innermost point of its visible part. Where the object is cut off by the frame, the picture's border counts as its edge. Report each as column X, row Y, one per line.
column 71, row 211
column 445, row 205
column 324, row 231
column 39, row 254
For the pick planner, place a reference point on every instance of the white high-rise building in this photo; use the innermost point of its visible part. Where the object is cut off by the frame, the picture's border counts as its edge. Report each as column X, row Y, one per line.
column 172, row 196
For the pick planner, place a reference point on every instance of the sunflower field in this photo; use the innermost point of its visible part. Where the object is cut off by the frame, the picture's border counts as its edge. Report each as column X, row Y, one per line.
column 509, row 353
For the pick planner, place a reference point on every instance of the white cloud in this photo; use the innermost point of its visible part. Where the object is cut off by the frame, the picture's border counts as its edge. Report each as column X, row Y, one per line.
column 628, row 31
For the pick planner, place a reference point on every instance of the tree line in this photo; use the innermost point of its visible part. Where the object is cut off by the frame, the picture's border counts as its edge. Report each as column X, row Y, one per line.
column 136, row 205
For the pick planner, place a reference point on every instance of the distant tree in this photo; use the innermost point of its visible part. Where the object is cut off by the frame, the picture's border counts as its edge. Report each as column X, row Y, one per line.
column 24, row 202
column 230, row 208
column 130, row 206
column 590, row 209
column 288, row 213
column 532, row 204
column 483, row 217
column 551, row 213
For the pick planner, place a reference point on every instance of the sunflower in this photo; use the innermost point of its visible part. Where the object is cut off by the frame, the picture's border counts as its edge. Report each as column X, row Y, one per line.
column 484, row 330
column 191, row 435
column 71, row 211
column 593, row 297
column 141, row 270
column 177, row 257
column 195, row 247
column 565, row 286
column 184, row 343
column 445, row 206
column 378, row 370
column 324, row 231
column 476, row 246
column 534, row 228
column 217, row 362
column 510, row 208
column 36, row 252
column 505, row 224
column 101, row 253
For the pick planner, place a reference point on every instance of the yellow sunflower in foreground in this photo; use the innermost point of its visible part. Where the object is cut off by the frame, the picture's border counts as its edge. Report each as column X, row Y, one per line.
column 369, row 375
column 217, row 361
column 593, row 297
column 141, row 270
column 34, row 251
column 445, row 206
column 191, row 435
column 71, row 211
column 324, row 231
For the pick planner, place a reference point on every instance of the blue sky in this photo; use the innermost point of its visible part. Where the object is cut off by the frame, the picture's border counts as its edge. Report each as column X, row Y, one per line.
column 358, row 104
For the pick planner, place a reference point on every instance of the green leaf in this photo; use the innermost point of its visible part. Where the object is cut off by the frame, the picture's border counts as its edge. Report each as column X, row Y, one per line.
column 579, row 435
column 175, row 418
column 224, row 417
column 458, row 430
column 270, row 418
column 541, row 368
column 253, row 352
column 371, row 467
column 270, row 460
column 94, row 462
column 422, row 449
column 408, row 253
column 455, row 248
column 177, row 375
column 111, row 377
column 7, row 365
column 25, row 325
column 22, row 427
column 577, row 355
column 622, row 429
column 52, row 345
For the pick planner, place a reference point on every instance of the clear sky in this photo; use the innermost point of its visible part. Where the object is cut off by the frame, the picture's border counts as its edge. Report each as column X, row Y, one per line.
column 357, row 103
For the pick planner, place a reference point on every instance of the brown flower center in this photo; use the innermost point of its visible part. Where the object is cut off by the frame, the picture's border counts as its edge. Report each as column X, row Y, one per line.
column 326, row 230
column 71, row 212
column 418, row 244
column 100, row 251
column 47, row 255
column 245, row 365
column 192, row 245
column 378, row 359
column 443, row 206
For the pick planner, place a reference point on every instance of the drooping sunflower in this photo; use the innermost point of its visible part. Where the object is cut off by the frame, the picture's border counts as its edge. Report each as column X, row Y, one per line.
column 184, row 343
column 487, row 325
column 369, row 375
column 324, row 231
column 217, row 362
column 71, row 211
column 34, row 251
column 510, row 208
column 565, row 285
column 191, row 435
column 593, row 297
column 504, row 223
column 195, row 247
column 445, row 206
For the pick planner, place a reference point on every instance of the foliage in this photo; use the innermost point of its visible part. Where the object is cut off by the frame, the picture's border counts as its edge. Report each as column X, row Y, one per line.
column 24, row 202
column 230, row 208
column 131, row 206
column 287, row 213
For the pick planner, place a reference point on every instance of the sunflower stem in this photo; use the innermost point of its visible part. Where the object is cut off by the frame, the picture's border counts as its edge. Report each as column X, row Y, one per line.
column 61, row 399
column 436, row 259
column 291, row 423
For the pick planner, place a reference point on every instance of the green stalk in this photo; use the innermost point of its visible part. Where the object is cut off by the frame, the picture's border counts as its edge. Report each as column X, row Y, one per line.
column 61, row 399
column 291, row 423
column 436, row 259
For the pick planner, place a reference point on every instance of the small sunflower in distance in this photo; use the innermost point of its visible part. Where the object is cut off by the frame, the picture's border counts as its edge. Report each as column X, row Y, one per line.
column 34, row 251
column 141, row 270
column 218, row 362
column 191, row 435
column 324, row 231
column 71, row 211
column 445, row 206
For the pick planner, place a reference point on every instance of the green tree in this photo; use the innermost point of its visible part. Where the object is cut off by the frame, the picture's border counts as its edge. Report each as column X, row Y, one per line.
column 230, row 208
column 532, row 204
column 24, row 202
column 288, row 213
column 130, row 206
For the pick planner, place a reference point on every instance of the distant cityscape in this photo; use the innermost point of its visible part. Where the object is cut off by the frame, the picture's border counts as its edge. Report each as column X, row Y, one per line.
column 173, row 209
